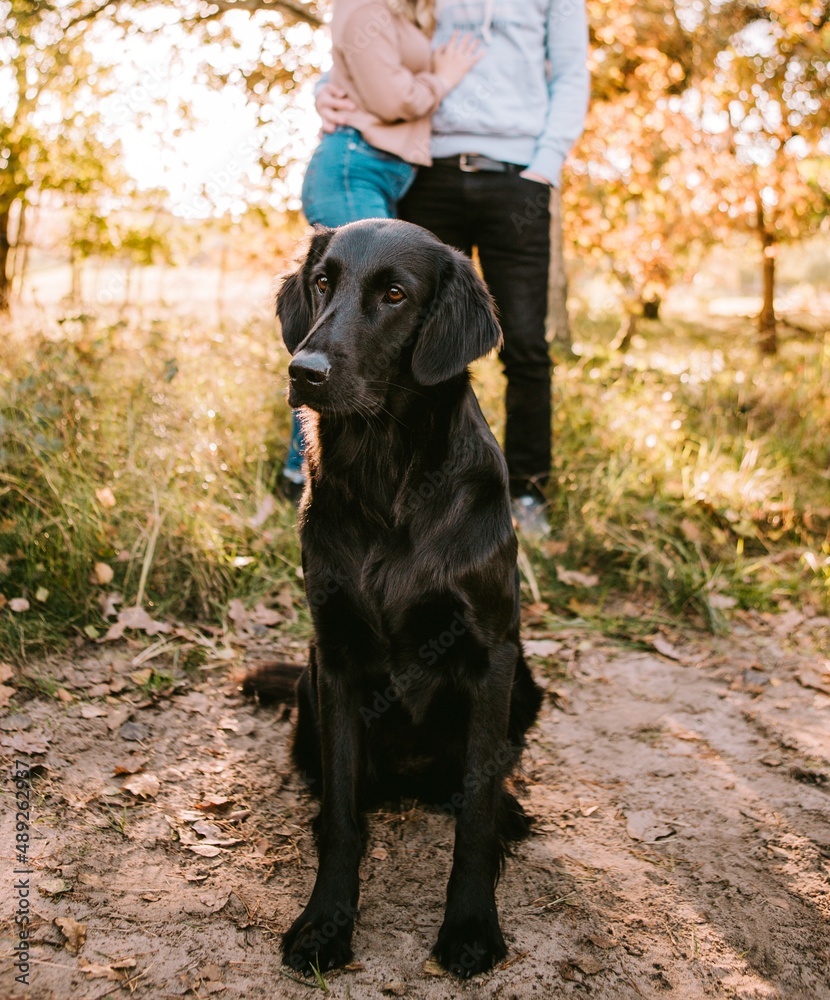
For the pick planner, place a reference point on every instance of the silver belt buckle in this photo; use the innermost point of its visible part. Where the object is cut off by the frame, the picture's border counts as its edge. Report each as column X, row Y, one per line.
column 465, row 165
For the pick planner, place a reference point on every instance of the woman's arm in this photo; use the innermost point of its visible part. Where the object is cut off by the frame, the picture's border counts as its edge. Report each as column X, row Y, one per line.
column 385, row 87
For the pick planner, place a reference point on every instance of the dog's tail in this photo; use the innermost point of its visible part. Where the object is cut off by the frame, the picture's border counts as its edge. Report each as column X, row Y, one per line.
column 272, row 682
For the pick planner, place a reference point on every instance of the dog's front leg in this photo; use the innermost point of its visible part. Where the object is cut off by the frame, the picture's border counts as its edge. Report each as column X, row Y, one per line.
column 470, row 940
column 321, row 937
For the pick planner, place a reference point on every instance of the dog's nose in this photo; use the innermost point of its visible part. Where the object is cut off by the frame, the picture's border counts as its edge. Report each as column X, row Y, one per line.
column 309, row 368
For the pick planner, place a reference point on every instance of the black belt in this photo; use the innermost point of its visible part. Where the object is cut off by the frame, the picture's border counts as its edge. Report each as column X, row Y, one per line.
column 472, row 163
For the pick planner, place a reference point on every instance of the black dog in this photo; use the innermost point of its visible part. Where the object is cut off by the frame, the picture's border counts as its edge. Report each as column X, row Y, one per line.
column 416, row 683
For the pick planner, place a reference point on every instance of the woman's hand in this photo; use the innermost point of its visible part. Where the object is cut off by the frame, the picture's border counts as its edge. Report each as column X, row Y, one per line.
column 333, row 106
column 453, row 61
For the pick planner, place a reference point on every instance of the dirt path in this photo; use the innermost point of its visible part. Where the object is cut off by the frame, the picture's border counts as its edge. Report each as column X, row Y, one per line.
column 682, row 844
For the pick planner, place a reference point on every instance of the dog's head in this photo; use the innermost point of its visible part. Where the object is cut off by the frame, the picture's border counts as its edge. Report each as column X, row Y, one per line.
column 377, row 302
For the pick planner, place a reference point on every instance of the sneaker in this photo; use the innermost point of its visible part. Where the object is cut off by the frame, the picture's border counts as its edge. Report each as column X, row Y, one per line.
column 529, row 517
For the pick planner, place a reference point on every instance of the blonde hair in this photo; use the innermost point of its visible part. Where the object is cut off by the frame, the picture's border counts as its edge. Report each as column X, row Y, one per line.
column 420, row 12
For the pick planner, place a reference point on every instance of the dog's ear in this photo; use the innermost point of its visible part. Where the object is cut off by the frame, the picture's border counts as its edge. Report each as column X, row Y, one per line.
column 294, row 298
column 460, row 326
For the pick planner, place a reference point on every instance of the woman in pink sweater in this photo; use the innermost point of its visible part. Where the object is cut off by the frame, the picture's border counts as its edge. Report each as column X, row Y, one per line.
column 381, row 60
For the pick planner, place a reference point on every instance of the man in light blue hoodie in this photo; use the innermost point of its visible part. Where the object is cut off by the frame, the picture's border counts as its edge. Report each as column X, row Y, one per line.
column 499, row 140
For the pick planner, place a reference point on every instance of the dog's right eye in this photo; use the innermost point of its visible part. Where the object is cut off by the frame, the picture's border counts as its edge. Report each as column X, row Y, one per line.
column 322, row 284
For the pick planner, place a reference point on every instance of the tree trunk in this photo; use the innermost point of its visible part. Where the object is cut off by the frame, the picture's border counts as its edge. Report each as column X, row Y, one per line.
column 651, row 307
column 21, row 250
column 5, row 278
column 767, row 322
column 627, row 329
column 632, row 304
column 76, row 285
column 558, row 319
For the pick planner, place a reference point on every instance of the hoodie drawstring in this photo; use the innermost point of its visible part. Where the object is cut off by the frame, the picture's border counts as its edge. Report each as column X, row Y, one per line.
column 486, row 32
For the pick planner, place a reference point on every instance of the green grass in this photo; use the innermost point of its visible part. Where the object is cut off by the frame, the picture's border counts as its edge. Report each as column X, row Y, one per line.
column 688, row 474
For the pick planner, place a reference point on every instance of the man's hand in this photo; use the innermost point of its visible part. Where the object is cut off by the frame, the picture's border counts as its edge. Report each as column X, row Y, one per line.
column 334, row 107
column 530, row 176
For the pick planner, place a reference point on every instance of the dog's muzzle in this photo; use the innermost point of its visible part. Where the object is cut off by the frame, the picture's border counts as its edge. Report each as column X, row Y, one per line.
column 309, row 372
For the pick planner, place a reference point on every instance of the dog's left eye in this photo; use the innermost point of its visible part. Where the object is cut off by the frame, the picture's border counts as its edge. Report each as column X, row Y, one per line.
column 395, row 295
column 322, row 283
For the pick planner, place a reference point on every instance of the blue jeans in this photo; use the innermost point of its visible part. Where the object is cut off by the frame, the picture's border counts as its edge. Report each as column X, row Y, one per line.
column 347, row 180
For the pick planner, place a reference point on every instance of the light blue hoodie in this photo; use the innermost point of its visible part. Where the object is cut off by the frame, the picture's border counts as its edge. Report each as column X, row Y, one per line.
column 525, row 101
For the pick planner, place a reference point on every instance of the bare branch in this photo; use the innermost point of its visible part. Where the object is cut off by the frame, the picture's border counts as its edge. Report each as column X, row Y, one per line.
column 93, row 12
column 293, row 8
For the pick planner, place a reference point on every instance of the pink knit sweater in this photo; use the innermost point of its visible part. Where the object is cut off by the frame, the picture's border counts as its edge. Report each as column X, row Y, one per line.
column 382, row 61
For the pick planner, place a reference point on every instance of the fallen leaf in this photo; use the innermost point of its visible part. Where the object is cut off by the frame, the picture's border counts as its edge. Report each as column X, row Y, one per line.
column 195, row 701
column 95, row 971
column 105, row 497
column 18, row 604
column 722, row 602
column 93, row 711
column 133, row 731
column 600, row 940
column 588, row 965
column 811, row 678
column 131, row 767
column 15, row 723
column 433, row 968
column 138, row 618
column 211, row 971
column 6, row 693
column 691, row 532
column 102, row 574
column 215, row 901
column 206, row 829
column 214, row 803
column 6, row 672
column 379, row 854
column 143, row 786
column 42, row 595
column 205, row 850
column 237, row 613
column 73, row 931
column 108, row 603
column 541, row 647
column 573, row 578
column 643, row 825
column 665, row 648
column 53, row 886
column 265, row 616
column 554, row 547
column 395, row 988
column 26, row 743
column 117, row 717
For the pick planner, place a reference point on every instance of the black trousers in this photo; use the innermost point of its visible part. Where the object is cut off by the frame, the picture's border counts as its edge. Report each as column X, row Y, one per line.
column 507, row 217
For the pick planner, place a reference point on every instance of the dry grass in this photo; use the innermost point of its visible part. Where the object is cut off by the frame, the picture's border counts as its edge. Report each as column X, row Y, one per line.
column 687, row 472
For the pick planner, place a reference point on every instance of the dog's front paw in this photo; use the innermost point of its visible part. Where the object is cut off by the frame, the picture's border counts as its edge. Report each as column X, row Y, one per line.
column 318, row 941
column 470, row 945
